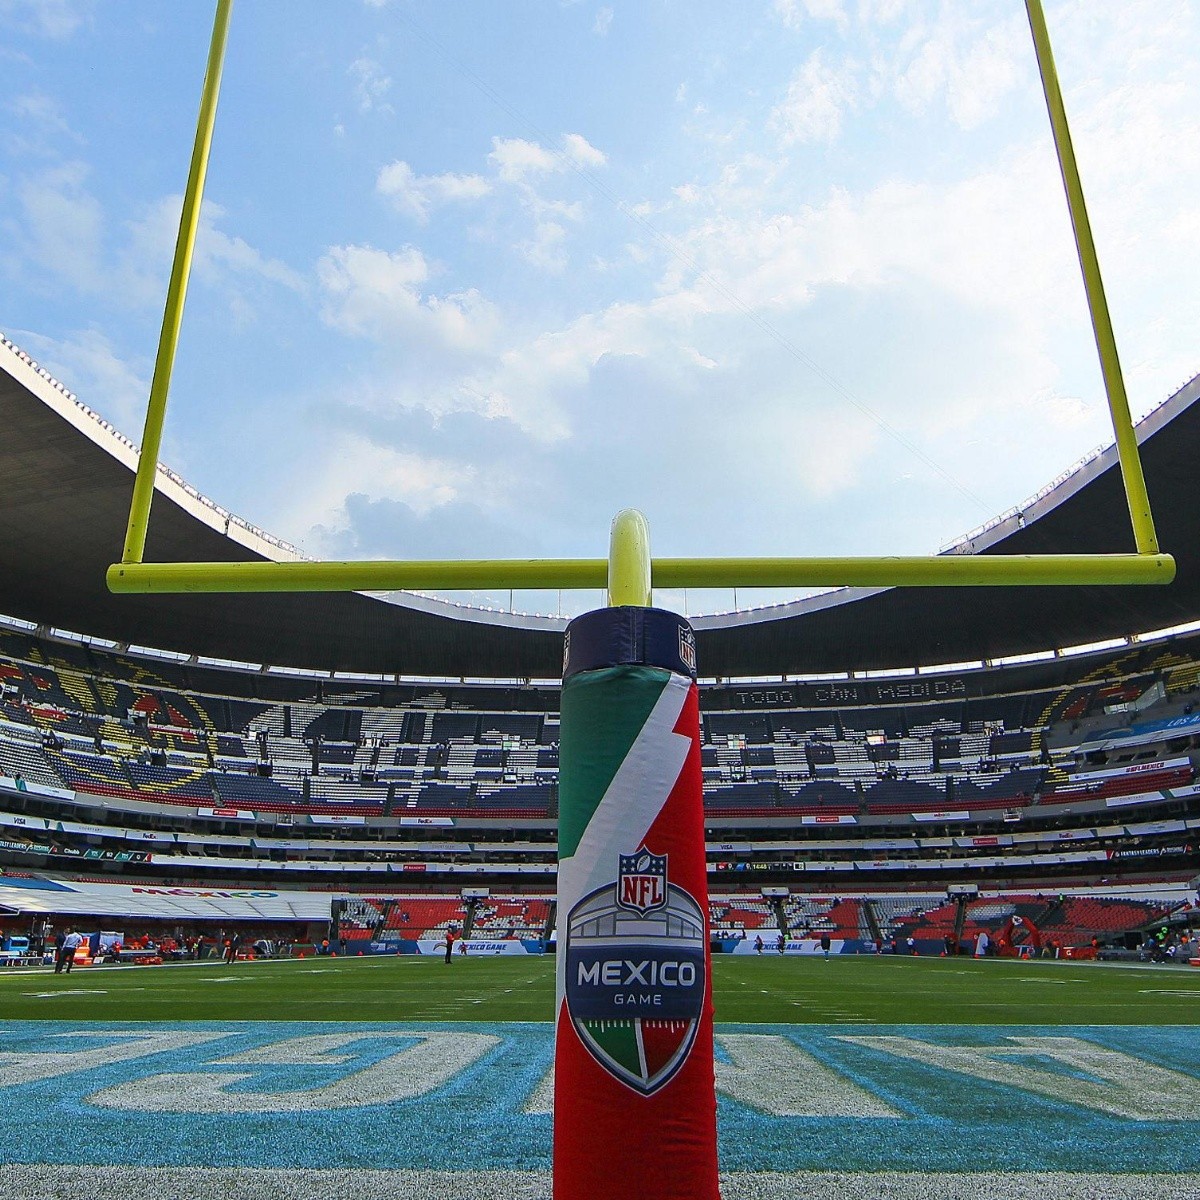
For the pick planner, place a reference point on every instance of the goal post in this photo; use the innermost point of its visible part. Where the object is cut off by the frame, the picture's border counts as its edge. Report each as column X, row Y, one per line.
column 1147, row 566
column 635, row 1099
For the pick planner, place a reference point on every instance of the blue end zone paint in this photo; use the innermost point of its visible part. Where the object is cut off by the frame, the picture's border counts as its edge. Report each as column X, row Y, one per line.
column 950, row 1121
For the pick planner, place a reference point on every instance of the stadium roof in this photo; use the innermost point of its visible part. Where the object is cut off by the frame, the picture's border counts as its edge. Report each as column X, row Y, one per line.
column 67, row 477
column 166, row 902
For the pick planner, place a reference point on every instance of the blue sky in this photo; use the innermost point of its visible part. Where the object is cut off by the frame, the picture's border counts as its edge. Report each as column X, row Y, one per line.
column 792, row 276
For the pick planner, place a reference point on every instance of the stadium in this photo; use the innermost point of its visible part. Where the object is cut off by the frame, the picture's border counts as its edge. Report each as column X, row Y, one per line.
column 306, row 849
column 171, row 800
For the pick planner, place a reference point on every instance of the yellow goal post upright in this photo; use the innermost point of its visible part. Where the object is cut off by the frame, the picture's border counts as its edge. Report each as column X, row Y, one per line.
column 630, row 572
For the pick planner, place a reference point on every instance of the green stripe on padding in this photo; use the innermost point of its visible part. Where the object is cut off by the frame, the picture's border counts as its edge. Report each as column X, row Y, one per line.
column 602, row 714
column 618, row 1039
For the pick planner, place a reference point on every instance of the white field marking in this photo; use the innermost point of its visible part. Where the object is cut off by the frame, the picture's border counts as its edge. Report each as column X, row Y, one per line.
column 257, row 1183
column 226, row 979
column 1122, row 1085
column 1038, row 979
column 68, row 992
column 24, row 1066
column 541, row 1099
column 413, row 1071
column 772, row 1074
column 1149, row 992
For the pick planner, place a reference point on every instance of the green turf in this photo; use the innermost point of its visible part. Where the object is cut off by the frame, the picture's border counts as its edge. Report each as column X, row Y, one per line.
column 791, row 990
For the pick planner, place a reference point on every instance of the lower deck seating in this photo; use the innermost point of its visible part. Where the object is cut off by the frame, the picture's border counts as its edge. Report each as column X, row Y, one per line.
column 418, row 917
column 521, row 917
column 735, row 913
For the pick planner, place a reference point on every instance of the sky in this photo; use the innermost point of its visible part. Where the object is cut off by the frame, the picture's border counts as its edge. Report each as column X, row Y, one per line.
column 793, row 277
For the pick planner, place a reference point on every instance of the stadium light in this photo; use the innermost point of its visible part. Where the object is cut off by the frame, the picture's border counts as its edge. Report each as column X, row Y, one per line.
column 630, row 574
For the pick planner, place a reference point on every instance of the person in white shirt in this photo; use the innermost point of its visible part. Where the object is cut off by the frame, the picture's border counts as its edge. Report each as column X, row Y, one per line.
column 71, row 943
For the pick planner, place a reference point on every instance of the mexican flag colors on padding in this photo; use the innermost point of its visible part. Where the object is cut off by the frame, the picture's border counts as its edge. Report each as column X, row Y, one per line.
column 634, row 1103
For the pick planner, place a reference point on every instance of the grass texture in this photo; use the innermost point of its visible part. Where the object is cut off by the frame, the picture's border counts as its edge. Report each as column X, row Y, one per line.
column 845, row 990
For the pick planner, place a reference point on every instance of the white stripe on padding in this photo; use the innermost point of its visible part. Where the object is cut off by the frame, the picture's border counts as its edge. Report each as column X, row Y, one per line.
column 634, row 798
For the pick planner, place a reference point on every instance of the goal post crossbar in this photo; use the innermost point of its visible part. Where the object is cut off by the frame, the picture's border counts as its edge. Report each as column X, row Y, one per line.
column 949, row 570
column 630, row 549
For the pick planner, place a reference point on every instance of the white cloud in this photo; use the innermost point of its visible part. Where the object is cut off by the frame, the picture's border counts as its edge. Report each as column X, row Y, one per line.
column 793, row 12
column 526, row 165
column 107, row 383
column 547, row 248
column 45, row 112
column 955, row 266
column 50, row 18
column 60, row 229
column 63, row 225
column 897, row 240
column 221, row 260
column 818, row 97
column 603, row 22
column 356, row 465
column 965, row 63
column 416, row 194
column 581, row 152
column 376, row 294
column 516, row 159
column 371, row 84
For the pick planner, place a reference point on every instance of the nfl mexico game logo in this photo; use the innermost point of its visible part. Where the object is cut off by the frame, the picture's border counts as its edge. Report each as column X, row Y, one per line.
column 635, row 972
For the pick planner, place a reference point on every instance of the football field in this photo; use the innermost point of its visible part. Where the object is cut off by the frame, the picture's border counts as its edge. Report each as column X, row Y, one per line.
column 406, row 1077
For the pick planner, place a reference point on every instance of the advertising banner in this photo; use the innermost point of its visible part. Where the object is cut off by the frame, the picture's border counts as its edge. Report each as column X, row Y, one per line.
column 473, row 947
column 770, row 944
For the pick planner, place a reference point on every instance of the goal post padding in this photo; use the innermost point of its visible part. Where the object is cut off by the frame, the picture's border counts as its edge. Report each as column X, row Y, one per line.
column 635, row 1099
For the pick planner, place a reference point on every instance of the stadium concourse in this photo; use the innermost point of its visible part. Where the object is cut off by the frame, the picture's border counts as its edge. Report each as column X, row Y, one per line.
column 298, row 777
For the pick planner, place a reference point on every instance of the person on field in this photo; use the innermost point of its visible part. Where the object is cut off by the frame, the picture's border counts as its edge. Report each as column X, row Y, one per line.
column 780, row 944
column 825, row 944
column 449, row 944
column 758, row 944
column 58, row 950
column 71, row 943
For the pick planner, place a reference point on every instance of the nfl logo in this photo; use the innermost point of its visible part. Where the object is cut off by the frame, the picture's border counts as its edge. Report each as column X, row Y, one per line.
column 642, row 881
column 687, row 649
